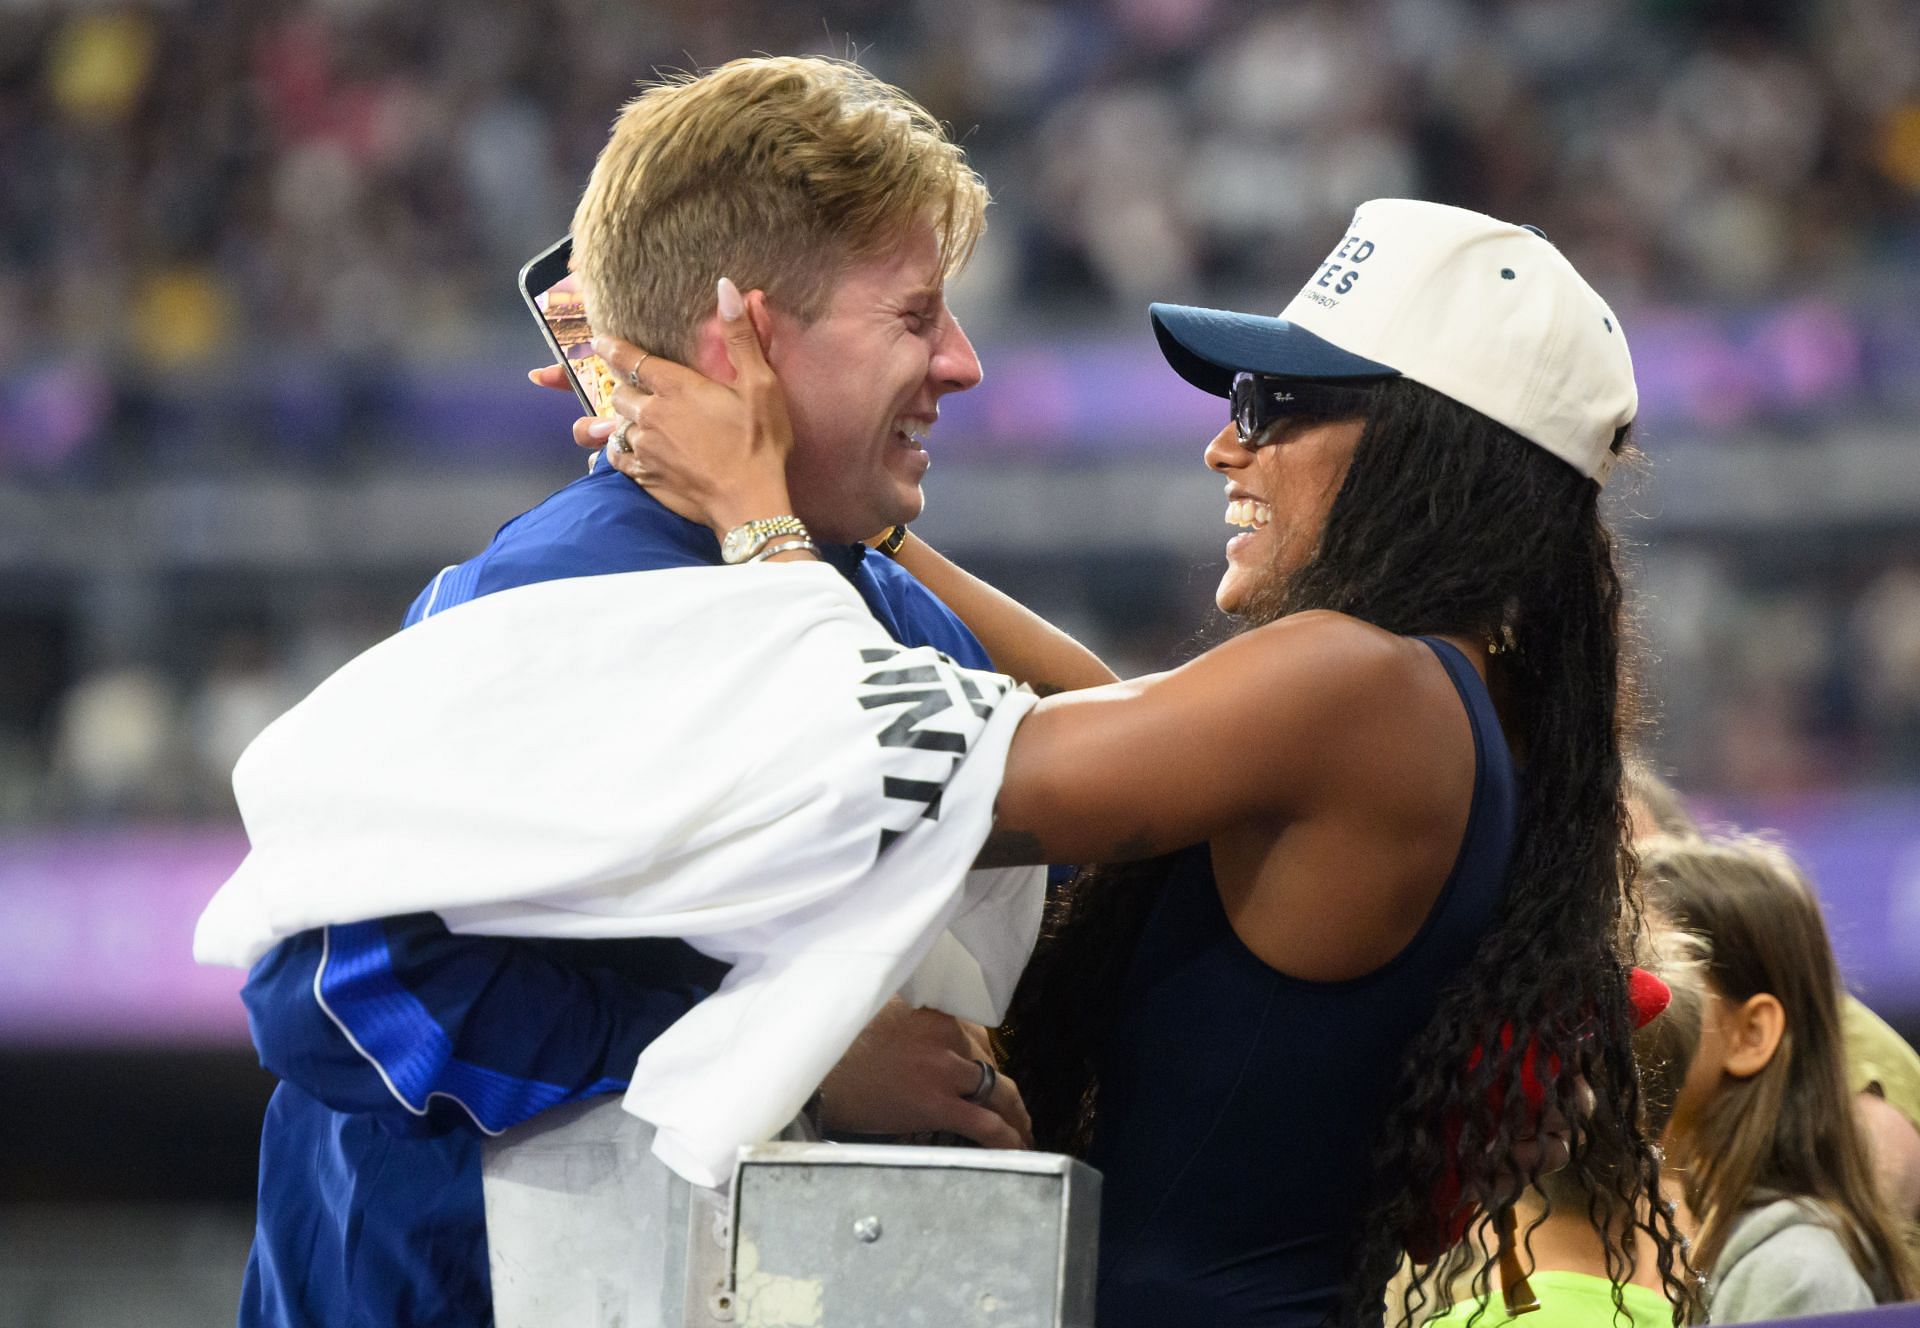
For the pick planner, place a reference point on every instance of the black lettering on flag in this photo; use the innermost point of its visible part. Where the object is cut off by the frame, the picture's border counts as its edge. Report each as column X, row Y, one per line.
column 900, row 677
column 906, row 728
column 925, row 791
column 904, row 731
column 980, row 707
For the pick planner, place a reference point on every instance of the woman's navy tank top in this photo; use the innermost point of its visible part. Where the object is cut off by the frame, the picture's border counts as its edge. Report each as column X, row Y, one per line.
column 1238, row 1106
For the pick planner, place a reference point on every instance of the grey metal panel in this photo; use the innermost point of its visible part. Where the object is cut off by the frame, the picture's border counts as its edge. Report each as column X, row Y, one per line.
column 587, row 1228
column 1080, row 1251
column 883, row 1237
column 584, row 1225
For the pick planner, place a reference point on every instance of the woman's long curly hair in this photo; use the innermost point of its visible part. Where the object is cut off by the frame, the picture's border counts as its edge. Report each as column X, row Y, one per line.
column 1447, row 523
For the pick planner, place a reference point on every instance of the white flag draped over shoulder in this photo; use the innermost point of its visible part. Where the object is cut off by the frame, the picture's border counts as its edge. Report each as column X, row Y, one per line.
column 739, row 756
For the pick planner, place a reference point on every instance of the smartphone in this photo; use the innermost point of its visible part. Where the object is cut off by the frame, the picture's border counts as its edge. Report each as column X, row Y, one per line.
column 548, row 287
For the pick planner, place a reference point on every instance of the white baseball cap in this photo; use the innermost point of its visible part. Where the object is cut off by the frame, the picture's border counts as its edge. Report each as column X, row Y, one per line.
column 1479, row 310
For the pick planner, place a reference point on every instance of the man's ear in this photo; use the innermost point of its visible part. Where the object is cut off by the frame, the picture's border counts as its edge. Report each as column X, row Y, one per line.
column 710, row 338
column 1755, row 1028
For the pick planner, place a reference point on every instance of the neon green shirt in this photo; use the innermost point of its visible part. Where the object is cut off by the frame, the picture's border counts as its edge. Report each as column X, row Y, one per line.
column 1571, row 1300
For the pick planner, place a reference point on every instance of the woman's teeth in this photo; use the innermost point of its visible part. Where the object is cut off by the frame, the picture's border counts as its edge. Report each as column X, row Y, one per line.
column 1249, row 512
column 913, row 431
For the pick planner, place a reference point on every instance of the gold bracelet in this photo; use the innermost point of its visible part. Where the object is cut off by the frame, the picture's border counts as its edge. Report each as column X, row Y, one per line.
column 891, row 543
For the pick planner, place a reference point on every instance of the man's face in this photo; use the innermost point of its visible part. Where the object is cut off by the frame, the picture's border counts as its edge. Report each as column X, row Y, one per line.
column 1281, row 492
column 863, row 385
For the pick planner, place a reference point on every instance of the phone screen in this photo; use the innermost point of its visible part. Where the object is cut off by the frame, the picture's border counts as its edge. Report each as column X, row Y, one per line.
column 555, row 297
column 566, row 317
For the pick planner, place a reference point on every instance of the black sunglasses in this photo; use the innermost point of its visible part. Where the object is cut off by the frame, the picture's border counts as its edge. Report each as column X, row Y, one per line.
column 1259, row 402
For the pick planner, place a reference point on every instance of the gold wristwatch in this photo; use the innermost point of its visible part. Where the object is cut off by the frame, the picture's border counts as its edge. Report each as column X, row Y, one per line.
column 747, row 539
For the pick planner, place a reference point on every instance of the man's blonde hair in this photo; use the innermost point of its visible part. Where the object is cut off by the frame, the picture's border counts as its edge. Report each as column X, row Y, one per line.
column 775, row 171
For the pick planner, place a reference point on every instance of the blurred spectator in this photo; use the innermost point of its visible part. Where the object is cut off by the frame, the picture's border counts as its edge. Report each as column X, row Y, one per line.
column 1887, row 626
column 114, row 738
column 245, row 690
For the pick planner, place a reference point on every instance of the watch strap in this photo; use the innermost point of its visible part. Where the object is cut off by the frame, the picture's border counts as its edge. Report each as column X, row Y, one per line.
column 748, row 538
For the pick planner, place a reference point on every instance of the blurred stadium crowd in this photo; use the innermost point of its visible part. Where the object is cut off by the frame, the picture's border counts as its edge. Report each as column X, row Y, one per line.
column 328, row 190
column 348, row 173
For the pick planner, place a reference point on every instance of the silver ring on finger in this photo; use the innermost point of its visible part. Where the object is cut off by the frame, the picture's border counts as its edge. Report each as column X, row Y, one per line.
column 633, row 374
column 620, row 438
column 989, row 1079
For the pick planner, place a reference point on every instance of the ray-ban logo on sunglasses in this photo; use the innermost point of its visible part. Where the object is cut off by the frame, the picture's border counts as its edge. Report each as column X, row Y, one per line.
column 1259, row 400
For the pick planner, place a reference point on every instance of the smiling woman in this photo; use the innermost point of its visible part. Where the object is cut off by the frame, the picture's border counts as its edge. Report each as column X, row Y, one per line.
column 1281, row 483
column 1365, row 939
column 1323, row 422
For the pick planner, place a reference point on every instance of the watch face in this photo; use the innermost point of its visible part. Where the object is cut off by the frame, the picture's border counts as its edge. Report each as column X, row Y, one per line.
column 740, row 543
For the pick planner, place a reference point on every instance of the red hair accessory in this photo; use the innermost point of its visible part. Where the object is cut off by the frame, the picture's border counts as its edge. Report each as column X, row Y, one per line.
column 1648, row 995
column 1447, row 1218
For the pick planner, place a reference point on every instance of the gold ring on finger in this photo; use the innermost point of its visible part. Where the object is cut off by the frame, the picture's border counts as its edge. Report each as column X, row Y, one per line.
column 633, row 374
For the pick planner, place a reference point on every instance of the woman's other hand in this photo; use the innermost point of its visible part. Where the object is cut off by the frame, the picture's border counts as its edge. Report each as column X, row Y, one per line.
column 915, row 1072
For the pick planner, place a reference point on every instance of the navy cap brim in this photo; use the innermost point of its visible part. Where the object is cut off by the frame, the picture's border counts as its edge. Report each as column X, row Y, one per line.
column 1207, row 347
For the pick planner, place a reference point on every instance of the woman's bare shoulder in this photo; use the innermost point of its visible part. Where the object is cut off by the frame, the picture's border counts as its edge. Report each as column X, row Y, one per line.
column 1389, row 798
column 1342, row 665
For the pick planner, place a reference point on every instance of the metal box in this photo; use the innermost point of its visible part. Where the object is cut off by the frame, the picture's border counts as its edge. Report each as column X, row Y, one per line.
column 878, row 1236
column 587, row 1229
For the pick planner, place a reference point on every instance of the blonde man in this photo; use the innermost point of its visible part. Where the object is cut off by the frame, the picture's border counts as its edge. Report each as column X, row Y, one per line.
column 842, row 208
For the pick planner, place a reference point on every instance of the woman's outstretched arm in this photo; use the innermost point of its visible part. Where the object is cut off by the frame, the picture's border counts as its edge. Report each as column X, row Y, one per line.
column 1313, row 709
column 1021, row 643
